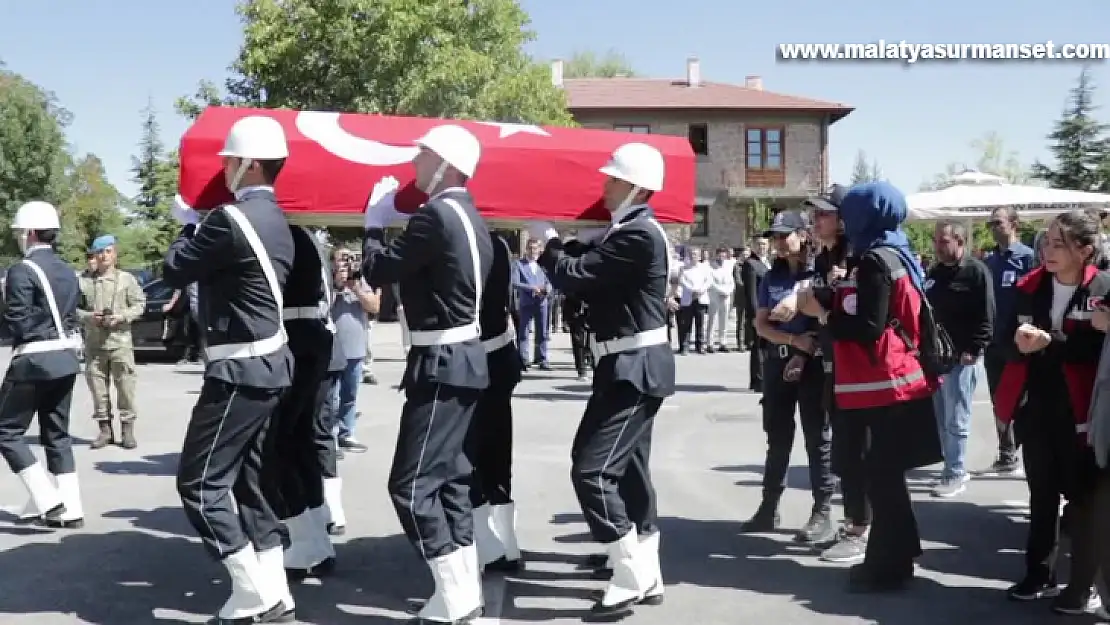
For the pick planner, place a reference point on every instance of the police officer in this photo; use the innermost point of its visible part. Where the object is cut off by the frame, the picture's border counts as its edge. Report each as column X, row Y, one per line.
column 111, row 300
column 575, row 314
column 441, row 262
column 292, row 480
column 624, row 280
column 490, row 441
column 40, row 319
column 240, row 257
column 793, row 378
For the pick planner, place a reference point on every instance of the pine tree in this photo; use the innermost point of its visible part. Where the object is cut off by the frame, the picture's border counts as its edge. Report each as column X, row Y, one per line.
column 861, row 171
column 1079, row 144
column 156, row 174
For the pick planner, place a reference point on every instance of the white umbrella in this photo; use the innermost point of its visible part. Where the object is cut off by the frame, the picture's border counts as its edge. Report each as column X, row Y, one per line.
column 974, row 195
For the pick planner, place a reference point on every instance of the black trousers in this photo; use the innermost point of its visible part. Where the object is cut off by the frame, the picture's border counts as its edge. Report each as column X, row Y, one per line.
column 429, row 481
column 849, row 448
column 291, row 478
column 489, row 447
column 20, row 401
column 609, row 461
column 751, row 339
column 994, row 361
column 692, row 317
column 742, row 329
column 327, row 453
column 580, row 346
column 756, row 360
column 780, row 400
column 222, row 455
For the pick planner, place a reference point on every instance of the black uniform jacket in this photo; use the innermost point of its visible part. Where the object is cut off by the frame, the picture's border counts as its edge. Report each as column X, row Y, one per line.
column 752, row 273
column 505, row 365
column 306, row 288
column 431, row 262
column 27, row 317
column 623, row 280
column 234, row 298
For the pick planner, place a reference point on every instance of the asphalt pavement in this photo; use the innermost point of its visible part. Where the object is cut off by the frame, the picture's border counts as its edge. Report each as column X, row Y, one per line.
column 137, row 560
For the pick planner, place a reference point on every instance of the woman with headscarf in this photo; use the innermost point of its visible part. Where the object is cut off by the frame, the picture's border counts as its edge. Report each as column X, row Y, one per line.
column 874, row 320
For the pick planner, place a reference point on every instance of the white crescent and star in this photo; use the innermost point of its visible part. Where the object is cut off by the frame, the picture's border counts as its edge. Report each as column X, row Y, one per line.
column 507, row 129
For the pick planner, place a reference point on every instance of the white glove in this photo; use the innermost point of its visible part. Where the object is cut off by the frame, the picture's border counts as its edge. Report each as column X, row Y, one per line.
column 183, row 213
column 380, row 209
column 542, row 231
column 591, row 236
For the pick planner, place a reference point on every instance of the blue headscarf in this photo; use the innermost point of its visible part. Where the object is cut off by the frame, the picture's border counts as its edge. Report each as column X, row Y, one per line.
column 873, row 213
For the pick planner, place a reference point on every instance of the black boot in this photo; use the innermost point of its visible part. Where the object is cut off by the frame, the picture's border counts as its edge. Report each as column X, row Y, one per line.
column 766, row 518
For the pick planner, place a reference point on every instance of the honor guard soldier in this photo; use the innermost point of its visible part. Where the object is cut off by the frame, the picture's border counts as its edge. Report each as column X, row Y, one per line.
column 327, row 447
column 440, row 261
column 40, row 319
column 240, row 258
column 111, row 300
column 623, row 279
column 292, row 480
column 490, row 441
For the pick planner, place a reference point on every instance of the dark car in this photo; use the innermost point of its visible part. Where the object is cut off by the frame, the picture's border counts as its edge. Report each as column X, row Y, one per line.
column 152, row 334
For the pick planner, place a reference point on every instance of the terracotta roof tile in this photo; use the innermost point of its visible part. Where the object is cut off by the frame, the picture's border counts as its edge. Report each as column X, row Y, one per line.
column 653, row 93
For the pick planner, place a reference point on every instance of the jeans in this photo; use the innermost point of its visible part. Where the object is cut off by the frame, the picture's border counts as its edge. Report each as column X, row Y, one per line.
column 953, row 409
column 346, row 389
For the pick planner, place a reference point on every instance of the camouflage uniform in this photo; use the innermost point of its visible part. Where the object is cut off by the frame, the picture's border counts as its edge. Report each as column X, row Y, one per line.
column 109, row 353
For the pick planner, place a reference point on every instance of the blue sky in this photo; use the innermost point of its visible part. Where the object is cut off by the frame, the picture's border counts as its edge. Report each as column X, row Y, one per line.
column 105, row 58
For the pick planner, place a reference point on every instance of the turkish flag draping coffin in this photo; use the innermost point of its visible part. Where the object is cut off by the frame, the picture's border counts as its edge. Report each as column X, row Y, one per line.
column 526, row 172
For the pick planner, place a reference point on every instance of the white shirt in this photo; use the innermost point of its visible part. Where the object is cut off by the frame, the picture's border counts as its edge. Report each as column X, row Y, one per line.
column 695, row 278
column 1061, row 296
column 534, row 267
column 720, row 276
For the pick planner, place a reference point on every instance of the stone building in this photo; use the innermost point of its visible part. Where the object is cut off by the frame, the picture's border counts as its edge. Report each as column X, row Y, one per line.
column 756, row 149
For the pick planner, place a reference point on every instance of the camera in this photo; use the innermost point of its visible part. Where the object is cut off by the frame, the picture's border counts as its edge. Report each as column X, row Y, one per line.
column 354, row 271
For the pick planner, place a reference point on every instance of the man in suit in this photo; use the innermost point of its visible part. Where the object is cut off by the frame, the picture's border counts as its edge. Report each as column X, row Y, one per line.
column 754, row 268
column 739, row 256
column 534, row 297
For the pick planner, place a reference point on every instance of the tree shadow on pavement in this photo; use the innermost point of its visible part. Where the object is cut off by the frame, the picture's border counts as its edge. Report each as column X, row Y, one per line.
column 157, row 465
column 797, row 476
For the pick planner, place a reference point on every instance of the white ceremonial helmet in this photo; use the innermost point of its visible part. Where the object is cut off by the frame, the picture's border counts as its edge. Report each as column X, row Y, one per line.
column 638, row 164
column 256, row 138
column 456, row 145
column 35, row 215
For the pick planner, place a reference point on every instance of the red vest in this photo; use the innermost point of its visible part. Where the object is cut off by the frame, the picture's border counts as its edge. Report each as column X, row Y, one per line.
column 883, row 373
column 1079, row 376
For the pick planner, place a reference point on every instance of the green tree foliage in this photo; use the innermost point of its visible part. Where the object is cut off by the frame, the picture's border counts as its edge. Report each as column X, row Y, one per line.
column 433, row 58
column 1079, row 144
column 588, row 64
column 90, row 209
column 156, row 174
column 33, row 154
column 865, row 170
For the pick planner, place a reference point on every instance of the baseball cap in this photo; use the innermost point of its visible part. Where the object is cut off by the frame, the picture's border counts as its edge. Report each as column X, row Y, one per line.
column 829, row 202
column 786, row 222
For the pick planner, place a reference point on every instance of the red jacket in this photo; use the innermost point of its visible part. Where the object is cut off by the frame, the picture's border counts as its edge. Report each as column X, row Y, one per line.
column 1080, row 349
column 886, row 372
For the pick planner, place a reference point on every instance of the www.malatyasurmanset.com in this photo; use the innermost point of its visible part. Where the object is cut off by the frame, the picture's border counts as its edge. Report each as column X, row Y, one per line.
column 908, row 52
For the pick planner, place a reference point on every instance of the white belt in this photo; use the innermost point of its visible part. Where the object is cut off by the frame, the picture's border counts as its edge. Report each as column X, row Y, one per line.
column 658, row 336
column 304, row 312
column 450, row 336
column 238, row 351
column 49, row 345
column 499, row 341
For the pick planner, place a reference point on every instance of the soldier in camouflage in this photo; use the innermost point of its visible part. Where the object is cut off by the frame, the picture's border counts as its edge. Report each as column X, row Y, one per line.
column 110, row 301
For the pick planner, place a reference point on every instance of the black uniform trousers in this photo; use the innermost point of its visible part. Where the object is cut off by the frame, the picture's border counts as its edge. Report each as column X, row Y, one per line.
column 756, row 365
column 429, row 481
column 222, row 455
column 691, row 318
column 780, row 399
column 323, row 426
column 609, row 461
column 580, row 345
column 743, row 331
column 489, row 445
column 291, row 478
column 994, row 361
column 849, row 448
column 20, row 401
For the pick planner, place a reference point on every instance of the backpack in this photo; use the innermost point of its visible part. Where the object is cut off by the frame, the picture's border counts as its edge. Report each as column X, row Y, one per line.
column 936, row 353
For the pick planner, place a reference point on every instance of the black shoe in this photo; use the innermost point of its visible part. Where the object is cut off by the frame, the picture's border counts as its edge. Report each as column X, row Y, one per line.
column 277, row 614
column 765, row 519
column 502, row 565
column 1076, row 601
column 336, row 530
column 709, row 350
column 1030, row 589
column 722, row 349
column 323, row 569
column 352, row 446
column 819, row 530
column 863, row 579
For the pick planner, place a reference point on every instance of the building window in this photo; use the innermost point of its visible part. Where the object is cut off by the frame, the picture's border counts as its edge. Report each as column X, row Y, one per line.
column 699, row 138
column 640, row 129
column 700, row 227
column 764, row 148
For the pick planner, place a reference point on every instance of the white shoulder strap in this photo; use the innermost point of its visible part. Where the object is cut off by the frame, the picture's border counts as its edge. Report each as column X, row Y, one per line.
column 49, row 291
column 472, row 241
column 260, row 253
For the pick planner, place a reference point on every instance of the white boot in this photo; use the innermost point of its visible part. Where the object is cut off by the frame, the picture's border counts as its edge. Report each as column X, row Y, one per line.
column 629, row 581
column 305, row 550
column 473, row 574
column 454, row 598
column 44, row 495
column 276, row 586
column 333, row 501
column 319, row 518
column 248, row 585
column 489, row 546
column 653, row 572
column 504, row 525
column 70, row 491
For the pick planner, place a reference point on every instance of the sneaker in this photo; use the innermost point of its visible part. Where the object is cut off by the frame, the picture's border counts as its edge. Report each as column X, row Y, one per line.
column 850, row 549
column 951, row 486
column 1077, row 602
column 351, row 445
column 369, row 378
column 818, row 530
column 1030, row 590
column 1008, row 467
